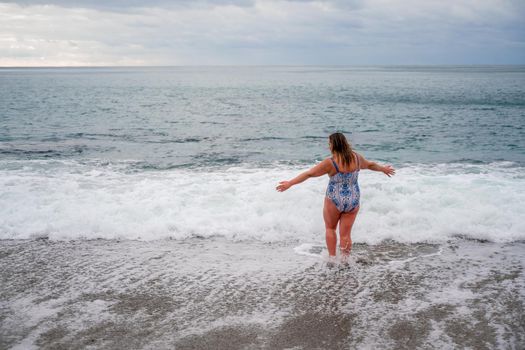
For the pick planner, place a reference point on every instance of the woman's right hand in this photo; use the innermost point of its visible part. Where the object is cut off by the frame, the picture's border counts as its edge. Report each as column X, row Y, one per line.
column 388, row 170
column 283, row 186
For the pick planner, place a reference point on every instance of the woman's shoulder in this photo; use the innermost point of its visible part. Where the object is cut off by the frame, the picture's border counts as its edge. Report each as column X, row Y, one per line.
column 359, row 155
column 362, row 160
column 327, row 162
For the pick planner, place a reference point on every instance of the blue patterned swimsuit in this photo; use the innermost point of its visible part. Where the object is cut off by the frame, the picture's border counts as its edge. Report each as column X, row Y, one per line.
column 343, row 189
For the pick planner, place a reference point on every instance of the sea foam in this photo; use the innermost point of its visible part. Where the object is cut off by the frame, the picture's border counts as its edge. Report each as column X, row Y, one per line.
column 421, row 203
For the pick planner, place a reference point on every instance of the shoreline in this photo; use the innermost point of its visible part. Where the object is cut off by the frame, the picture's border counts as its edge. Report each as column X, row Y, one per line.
column 214, row 293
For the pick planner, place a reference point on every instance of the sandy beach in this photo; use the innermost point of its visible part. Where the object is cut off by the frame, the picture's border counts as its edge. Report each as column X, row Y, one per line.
column 219, row 294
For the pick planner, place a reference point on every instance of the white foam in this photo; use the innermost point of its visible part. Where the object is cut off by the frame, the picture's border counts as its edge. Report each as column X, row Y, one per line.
column 397, row 263
column 30, row 314
column 422, row 203
column 306, row 249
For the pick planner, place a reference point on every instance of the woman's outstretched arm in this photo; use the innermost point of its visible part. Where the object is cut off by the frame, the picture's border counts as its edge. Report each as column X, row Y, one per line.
column 368, row 164
column 318, row 170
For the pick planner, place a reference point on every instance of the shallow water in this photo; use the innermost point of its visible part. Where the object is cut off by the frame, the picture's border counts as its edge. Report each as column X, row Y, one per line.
column 237, row 295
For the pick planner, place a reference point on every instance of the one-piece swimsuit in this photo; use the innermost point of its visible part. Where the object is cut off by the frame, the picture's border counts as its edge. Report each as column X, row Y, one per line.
column 343, row 189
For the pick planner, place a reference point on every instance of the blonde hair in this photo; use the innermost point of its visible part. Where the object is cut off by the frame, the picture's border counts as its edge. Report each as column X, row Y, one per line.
column 341, row 148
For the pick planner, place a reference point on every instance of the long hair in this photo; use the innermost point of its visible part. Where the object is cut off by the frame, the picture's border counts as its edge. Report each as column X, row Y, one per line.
column 341, row 148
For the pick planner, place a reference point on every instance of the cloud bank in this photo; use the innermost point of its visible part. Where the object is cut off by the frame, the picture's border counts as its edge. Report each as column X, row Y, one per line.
column 231, row 32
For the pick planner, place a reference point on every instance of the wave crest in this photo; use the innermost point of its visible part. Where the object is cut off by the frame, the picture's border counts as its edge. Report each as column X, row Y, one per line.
column 422, row 203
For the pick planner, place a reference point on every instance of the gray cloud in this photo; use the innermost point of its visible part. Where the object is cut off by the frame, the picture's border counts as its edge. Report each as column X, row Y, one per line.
column 262, row 32
column 124, row 5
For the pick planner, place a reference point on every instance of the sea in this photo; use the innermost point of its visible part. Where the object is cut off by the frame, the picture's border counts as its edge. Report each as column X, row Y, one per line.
column 138, row 207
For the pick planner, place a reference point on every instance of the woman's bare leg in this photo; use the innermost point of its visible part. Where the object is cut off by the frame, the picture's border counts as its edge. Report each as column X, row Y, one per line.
column 345, row 230
column 331, row 218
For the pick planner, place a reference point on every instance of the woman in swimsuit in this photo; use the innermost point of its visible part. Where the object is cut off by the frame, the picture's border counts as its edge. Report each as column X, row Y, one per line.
column 341, row 203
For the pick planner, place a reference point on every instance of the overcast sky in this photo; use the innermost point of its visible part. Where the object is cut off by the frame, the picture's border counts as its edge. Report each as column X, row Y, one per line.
column 231, row 32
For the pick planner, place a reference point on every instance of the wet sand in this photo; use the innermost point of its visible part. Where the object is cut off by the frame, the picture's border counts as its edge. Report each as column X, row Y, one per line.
column 217, row 294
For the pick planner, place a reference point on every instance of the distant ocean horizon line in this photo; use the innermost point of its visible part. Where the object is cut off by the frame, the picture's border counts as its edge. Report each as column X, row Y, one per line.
column 474, row 65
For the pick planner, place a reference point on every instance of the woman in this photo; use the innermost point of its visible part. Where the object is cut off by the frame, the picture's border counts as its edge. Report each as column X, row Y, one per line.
column 341, row 203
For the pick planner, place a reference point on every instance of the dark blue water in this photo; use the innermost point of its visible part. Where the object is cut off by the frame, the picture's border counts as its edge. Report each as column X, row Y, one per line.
column 215, row 116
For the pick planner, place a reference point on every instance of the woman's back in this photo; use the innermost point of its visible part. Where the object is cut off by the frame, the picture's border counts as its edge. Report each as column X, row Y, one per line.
column 343, row 188
column 351, row 168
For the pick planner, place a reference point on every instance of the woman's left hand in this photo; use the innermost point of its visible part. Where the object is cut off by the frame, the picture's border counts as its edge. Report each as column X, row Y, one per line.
column 283, row 186
column 388, row 170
